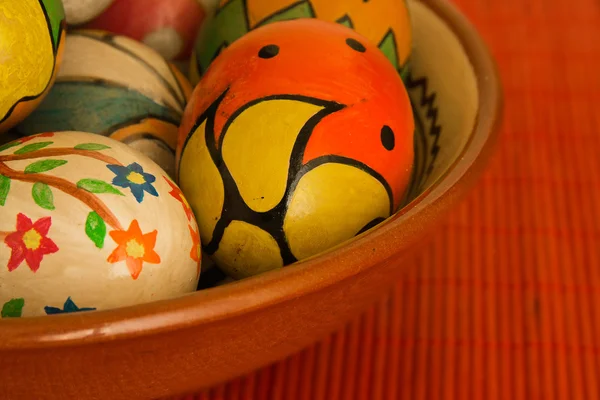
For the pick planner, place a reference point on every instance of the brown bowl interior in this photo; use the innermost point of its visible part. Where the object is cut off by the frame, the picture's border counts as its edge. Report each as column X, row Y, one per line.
column 172, row 346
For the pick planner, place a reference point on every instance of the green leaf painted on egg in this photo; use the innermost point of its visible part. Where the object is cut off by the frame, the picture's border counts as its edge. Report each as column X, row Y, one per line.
column 228, row 25
column 9, row 145
column 91, row 146
column 98, row 187
column 346, row 21
column 32, row 147
column 42, row 195
column 13, row 308
column 4, row 189
column 389, row 48
column 43, row 166
column 55, row 14
column 299, row 10
column 95, row 229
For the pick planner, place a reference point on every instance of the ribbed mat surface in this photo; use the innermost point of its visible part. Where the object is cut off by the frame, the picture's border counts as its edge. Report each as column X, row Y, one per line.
column 505, row 302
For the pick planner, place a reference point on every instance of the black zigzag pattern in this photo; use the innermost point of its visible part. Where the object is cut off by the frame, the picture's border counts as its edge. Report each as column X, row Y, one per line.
column 345, row 19
column 427, row 100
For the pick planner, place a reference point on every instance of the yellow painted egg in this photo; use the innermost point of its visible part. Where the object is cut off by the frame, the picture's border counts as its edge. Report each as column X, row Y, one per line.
column 90, row 224
column 385, row 23
column 115, row 86
column 31, row 45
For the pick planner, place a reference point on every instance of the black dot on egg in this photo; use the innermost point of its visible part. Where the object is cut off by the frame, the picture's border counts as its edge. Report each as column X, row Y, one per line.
column 269, row 51
column 356, row 45
column 388, row 140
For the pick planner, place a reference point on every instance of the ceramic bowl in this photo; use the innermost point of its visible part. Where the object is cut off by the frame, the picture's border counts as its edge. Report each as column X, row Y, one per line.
column 171, row 347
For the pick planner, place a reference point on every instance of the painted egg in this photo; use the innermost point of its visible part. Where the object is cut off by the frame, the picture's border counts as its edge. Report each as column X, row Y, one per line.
column 89, row 223
column 385, row 23
column 169, row 27
column 287, row 149
column 81, row 11
column 31, row 45
column 117, row 87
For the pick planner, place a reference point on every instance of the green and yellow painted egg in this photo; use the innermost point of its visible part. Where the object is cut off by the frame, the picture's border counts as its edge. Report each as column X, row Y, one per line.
column 385, row 23
column 90, row 223
column 31, row 45
column 288, row 149
column 117, row 87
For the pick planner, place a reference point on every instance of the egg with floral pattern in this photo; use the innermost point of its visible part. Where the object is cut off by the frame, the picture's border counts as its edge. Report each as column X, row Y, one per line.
column 88, row 223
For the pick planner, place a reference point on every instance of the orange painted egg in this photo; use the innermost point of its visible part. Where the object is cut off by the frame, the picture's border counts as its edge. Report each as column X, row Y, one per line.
column 90, row 223
column 32, row 36
column 298, row 137
column 385, row 23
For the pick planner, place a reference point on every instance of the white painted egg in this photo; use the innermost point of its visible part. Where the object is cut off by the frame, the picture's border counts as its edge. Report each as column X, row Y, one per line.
column 81, row 11
column 117, row 87
column 88, row 223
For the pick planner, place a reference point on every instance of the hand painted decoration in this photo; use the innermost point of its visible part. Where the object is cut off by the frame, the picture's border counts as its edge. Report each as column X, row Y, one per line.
column 384, row 23
column 31, row 45
column 89, row 223
column 81, row 11
column 298, row 137
column 117, row 87
column 168, row 26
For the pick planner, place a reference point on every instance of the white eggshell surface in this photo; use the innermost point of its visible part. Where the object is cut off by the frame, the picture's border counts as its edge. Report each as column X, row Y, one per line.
column 80, row 11
column 89, row 223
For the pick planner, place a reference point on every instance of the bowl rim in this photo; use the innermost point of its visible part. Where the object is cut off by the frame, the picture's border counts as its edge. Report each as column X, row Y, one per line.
column 401, row 231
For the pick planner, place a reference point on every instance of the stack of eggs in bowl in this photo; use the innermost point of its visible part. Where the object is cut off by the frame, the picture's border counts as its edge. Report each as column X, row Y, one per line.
column 297, row 137
column 256, row 203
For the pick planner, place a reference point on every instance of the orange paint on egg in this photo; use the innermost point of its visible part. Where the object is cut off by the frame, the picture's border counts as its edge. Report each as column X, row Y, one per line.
column 374, row 124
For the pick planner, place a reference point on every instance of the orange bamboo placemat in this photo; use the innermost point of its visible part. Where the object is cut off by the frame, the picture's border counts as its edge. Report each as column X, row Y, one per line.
column 505, row 302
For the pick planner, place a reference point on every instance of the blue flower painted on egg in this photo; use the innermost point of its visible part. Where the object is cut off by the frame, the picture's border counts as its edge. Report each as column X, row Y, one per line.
column 134, row 178
column 68, row 307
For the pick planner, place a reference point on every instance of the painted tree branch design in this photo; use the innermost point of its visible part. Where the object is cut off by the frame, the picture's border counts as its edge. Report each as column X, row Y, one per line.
column 91, row 200
column 60, row 151
column 30, row 242
column 85, row 190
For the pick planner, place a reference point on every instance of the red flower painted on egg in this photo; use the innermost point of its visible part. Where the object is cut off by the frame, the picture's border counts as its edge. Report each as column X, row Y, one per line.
column 30, row 242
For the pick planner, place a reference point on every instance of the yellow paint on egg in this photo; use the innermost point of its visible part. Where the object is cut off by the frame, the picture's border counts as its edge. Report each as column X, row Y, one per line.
column 136, row 178
column 26, row 52
column 257, row 10
column 270, row 129
column 372, row 19
column 247, row 250
column 202, row 183
column 32, row 239
column 135, row 249
column 315, row 220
